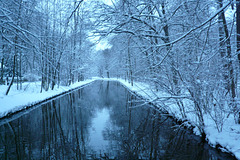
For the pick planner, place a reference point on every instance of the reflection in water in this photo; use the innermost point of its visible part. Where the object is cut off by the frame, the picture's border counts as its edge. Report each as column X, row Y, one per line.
column 97, row 141
column 99, row 121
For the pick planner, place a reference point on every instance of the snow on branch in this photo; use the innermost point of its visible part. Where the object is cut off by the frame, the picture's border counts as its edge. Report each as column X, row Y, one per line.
column 201, row 25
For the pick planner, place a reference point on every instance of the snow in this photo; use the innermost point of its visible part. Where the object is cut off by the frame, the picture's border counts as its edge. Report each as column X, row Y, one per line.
column 228, row 138
column 30, row 94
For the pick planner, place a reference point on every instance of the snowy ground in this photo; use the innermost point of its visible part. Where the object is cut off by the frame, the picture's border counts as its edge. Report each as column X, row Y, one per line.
column 30, row 94
column 229, row 138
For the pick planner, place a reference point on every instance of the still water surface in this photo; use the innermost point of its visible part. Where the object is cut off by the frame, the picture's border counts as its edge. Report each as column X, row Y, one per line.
column 100, row 121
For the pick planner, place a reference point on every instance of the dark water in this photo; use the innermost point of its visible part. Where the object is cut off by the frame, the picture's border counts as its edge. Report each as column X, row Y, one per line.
column 100, row 121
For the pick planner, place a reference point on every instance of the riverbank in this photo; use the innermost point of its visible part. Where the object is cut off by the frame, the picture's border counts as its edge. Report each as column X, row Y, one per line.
column 229, row 138
column 30, row 94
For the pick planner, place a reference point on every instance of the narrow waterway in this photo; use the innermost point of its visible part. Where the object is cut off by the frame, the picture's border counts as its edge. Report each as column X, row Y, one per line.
column 100, row 121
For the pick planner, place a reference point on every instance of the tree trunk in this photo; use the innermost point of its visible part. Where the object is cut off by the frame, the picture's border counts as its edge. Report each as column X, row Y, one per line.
column 168, row 46
column 2, row 60
column 13, row 75
column 2, row 72
column 238, row 38
column 20, row 70
column 238, row 28
column 130, row 63
column 224, row 38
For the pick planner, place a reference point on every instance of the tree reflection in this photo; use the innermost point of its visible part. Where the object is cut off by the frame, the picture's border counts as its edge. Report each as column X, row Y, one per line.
column 60, row 130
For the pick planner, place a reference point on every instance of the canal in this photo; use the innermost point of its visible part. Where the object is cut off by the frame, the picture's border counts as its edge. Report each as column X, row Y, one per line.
column 100, row 121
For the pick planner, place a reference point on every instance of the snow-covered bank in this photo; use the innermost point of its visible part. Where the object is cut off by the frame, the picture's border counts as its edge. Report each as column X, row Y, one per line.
column 30, row 94
column 228, row 138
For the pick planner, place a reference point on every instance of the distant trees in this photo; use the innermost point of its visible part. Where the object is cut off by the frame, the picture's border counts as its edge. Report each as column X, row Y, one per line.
column 36, row 35
column 15, row 38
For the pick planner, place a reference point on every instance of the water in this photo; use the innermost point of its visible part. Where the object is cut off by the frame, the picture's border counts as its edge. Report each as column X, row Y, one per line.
column 100, row 121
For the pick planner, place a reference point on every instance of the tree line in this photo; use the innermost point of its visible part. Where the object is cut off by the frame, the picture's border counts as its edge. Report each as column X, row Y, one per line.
column 42, row 40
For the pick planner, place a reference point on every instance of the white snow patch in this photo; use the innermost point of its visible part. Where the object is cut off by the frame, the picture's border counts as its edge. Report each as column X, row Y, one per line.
column 30, row 94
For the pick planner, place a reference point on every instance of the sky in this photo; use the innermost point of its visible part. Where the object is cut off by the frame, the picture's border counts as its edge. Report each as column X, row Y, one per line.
column 109, row 2
column 102, row 43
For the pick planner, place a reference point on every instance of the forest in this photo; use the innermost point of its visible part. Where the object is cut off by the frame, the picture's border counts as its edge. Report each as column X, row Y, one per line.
column 188, row 49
